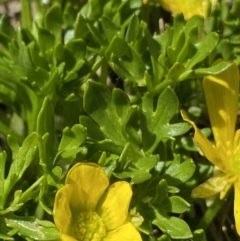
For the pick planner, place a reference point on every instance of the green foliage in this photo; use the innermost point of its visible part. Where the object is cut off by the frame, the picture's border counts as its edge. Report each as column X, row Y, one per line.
column 97, row 81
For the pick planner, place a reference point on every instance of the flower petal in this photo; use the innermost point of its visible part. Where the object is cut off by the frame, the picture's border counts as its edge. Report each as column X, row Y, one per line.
column 65, row 237
column 91, row 182
column 61, row 211
column 211, row 187
column 126, row 232
column 114, row 209
column 187, row 7
column 236, row 205
column 221, row 94
column 208, row 149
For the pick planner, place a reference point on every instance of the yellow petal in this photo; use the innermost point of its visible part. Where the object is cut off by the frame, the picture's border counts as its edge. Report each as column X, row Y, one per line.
column 207, row 148
column 187, row 7
column 91, row 182
column 61, row 210
column 126, row 232
column 114, row 209
column 221, row 93
column 237, row 142
column 236, row 205
column 211, row 187
column 65, row 237
column 231, row 179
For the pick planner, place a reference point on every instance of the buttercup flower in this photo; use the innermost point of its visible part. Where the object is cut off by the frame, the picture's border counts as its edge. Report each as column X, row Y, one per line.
column 221, row 94
column 87, row 209
column 187, row 7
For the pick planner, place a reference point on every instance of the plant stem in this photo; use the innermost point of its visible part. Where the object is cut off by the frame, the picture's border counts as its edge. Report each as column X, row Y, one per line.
column 210, row 213
column 26, row 14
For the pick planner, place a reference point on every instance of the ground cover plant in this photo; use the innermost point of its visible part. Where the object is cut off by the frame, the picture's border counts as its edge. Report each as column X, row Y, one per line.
column 119, row 120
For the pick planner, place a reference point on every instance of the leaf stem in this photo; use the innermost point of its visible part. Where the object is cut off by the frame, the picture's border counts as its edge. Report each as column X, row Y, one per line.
column 163, row 85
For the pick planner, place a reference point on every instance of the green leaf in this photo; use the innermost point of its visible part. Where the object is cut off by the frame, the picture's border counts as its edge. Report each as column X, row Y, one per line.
column 38, row 60
column 179, row 205
column 96, row 33
column 164, row 238
column 63, row 55
column 176, row 70
column 99, row 105
column 34, row 228
column 125, row 61
column 5, row 233
column 53, row 22
column 109, row 29
column 155, row 122
column 6, row 27
column 179, row 172
column 70, row 14
column 174, row 50
column 77, row 48
column 46, row 41
column 161, row 197
column 175, row 227
column 164, row 40
column 204, row 48
column 93, row 129
column 154, row 47
column 199, row 235
column 71, row 141
column 119, row 47
column 139, row 171
column 214, row 69
column 133, row 29
column 45, row 125
column 54, row 179
column 22, row 158
column 80, row 27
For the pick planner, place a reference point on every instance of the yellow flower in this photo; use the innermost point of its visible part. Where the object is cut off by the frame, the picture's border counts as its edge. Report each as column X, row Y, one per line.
column 187, row 7
column 87, row 209
column 221, row 94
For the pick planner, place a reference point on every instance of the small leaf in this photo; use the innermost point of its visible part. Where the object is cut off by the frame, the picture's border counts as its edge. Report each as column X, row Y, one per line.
column 71, row 141
column 214, row 69
column 125, row 59
column 164, row 238
column 46, row 41
column 93, row 129
column 5, row 233
column 155, row 123
column 45, row 128
column 133, row 29
column 175, row 227
column 139, row 171
column 78, row 48
column 161, row 196
column 55, row 176
column 99, row 105
column 199, row 235
column 178, row 172
column 80, row 27
column 53, row 22
column 33, row 228
column 204, row 47
column 22, row 158
column 6, row 27
column 178, row 205
column 109, row 29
